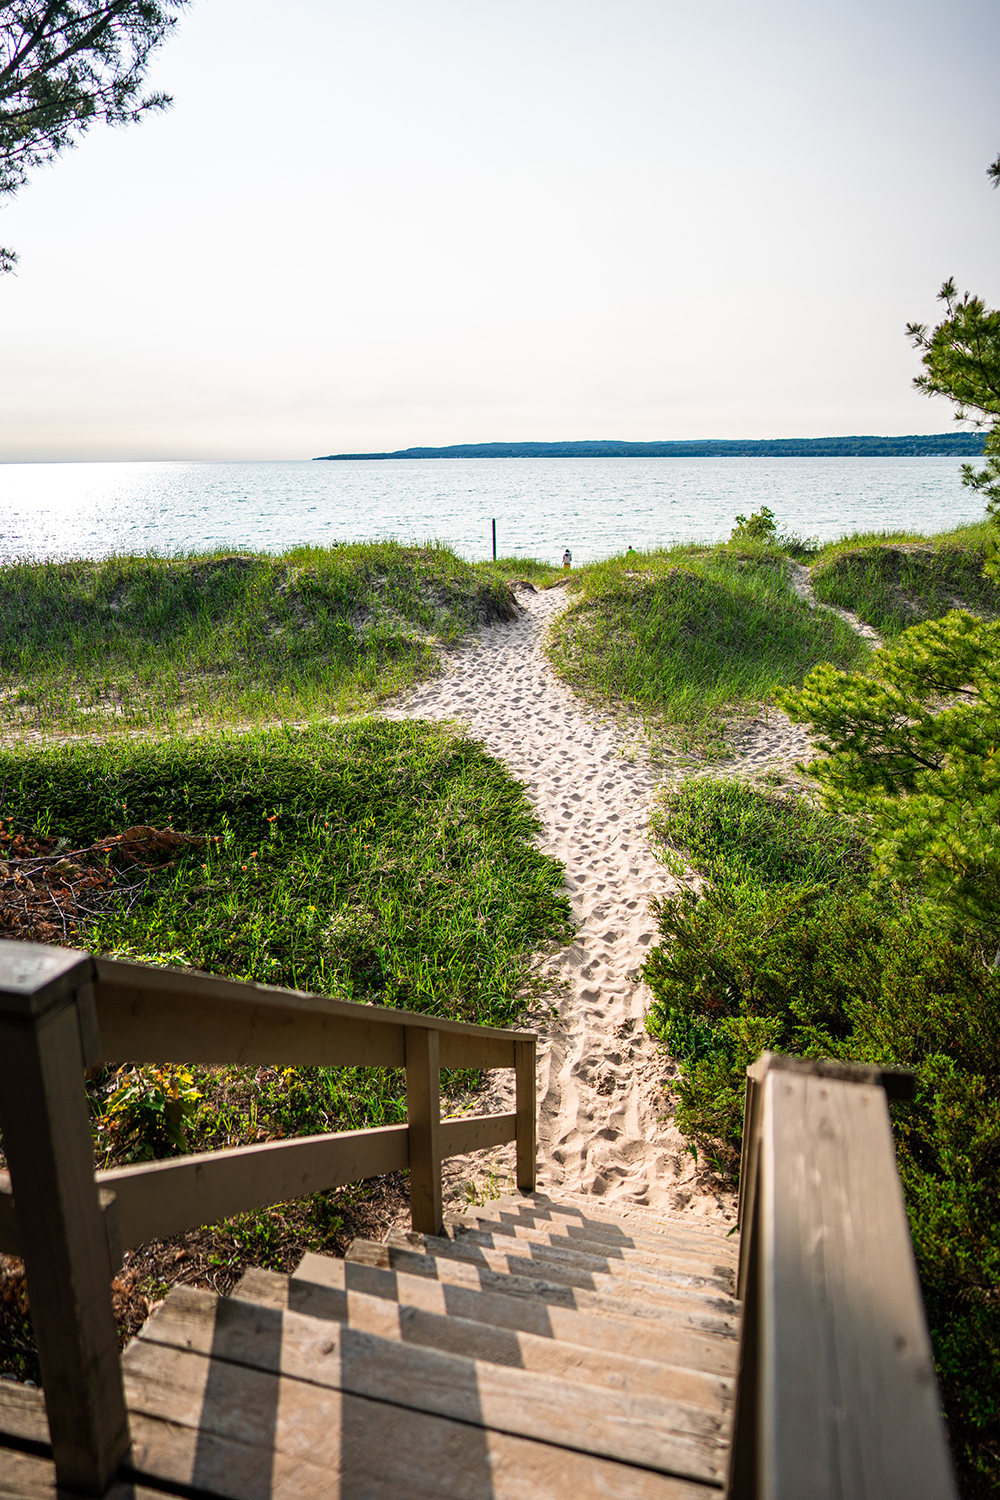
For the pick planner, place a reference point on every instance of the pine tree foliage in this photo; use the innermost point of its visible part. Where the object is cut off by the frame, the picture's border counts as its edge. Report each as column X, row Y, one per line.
column 65, row 64
column 912, row 748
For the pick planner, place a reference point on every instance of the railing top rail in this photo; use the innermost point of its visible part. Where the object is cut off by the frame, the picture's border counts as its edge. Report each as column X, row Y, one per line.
column 899, row 1083
column 836, row 1392
column 182, row 984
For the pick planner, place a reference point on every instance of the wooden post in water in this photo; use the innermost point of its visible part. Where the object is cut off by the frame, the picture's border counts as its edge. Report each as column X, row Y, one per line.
column 494, row 539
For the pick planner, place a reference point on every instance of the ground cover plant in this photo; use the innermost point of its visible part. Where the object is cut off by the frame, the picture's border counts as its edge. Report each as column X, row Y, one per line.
column 892, row 582
column 373, row 861
column 161, row 643
column 692, row 636
column 797, row 944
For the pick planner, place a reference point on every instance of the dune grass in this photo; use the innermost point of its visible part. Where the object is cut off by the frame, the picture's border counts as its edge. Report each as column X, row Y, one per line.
column 164, row 643
column 693, row 635
column 893, row 580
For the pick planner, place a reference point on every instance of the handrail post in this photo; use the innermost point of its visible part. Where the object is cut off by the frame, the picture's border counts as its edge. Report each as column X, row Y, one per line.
column 527, row 1115
column 423, row 1116
column 836, row 1392
column 48, row 1033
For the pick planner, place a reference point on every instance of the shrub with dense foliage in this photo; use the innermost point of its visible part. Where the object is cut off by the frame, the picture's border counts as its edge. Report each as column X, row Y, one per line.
column 797, row 945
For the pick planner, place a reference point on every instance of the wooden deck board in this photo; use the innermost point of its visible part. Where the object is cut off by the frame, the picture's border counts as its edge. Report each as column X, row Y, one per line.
column 247, row 1344
column 656, row 1339
column 485, row 1341
column 612, row 1284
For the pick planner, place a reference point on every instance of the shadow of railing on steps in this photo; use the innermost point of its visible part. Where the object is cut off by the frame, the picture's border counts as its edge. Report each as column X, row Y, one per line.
column 836, row 1395
column 62, row 1011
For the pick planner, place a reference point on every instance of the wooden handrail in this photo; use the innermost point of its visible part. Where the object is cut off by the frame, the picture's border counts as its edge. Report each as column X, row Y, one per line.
column 62, row 1011
column 836, row 1396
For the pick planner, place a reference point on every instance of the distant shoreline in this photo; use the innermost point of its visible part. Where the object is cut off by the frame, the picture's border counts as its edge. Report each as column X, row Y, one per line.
column 917, row 445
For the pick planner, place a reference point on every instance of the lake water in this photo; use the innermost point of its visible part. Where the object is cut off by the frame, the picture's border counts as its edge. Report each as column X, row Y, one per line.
column 595, row 506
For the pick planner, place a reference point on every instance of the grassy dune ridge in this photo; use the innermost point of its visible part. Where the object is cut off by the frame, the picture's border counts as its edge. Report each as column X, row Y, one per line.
column 691, row 636
column 892, row 580
column 158, row 643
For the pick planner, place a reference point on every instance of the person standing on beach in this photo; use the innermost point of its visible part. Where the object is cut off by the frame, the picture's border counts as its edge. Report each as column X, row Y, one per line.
column 567, row 558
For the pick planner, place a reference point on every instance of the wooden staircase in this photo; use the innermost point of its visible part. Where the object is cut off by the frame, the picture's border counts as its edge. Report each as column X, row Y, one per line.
column 536, row 1349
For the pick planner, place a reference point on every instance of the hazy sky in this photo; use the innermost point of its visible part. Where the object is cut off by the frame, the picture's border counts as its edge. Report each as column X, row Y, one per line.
column 366, row 226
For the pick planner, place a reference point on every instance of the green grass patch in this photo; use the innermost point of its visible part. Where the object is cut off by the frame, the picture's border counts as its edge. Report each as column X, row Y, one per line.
column 691, row 635
column 795, row 946
column 892, row 581
column 163, row 643
column 373, row 861
column 368, row 860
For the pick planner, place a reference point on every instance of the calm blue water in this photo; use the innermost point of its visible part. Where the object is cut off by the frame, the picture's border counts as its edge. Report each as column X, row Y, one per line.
column 595, row 506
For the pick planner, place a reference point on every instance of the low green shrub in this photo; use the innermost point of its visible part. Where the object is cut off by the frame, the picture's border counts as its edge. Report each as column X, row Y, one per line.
column 796, row 949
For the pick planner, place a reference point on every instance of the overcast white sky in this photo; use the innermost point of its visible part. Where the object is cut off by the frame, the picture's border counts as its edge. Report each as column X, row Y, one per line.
column 366, row 226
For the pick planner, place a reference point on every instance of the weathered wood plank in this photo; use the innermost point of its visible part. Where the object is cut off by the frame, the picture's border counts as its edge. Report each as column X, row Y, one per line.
column 527, row 1115
column 682, row 1255
column 27, row 1476
column 461, row 1134
column 246, row 1341
column 660, row 1339
column 159, row 1198
column 464, row 1272
column 587, row 1256
column 627, row 1281
column 367, row 1450
column 22, row 1415
column 848, row 1401
column 390, row 1319
column 150, row 1014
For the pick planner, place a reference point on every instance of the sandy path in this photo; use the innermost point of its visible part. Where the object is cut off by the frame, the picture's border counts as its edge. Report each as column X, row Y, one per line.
column 601, row 1077
column 603, row 1128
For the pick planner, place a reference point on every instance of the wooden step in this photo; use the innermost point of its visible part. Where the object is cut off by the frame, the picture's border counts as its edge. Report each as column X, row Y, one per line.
column 721, row 1255
column 638, row 1220
column 529, row 1208
column 466, row 1272
column 667, row 1340
column 32, row 1476
column 563, row 1272
column 588, row 1255
column 485, row 1341
column 329, row 1400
